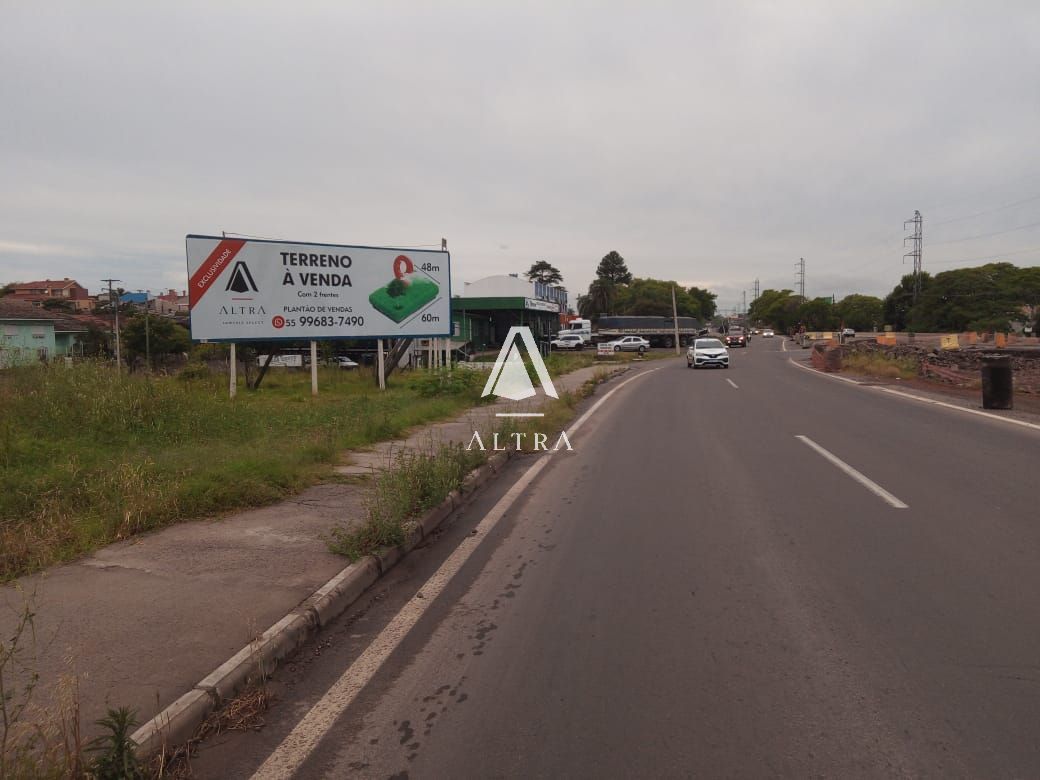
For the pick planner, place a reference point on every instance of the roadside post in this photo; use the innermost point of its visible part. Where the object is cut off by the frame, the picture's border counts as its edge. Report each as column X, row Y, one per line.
column 314, row 368
column 380, row 365
column 233, row 372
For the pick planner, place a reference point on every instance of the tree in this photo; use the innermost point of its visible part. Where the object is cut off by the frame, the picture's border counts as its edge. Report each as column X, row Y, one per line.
column 163, row 337
column 705, row 302
column 983, row 298
column 7, row 289
column 654, row 297
column 776, row 308
column 544, row 272
column 860, row 312
column 396, row 288
column 599, row 300
column 818, row 314
column 896, row 308
column 612, row 268
column 57, row 304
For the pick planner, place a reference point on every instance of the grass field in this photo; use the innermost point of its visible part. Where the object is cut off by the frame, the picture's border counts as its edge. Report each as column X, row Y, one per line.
column 88, row 456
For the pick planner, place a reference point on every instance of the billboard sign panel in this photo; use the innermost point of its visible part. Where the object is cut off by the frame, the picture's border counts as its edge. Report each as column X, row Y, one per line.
column 245, row 289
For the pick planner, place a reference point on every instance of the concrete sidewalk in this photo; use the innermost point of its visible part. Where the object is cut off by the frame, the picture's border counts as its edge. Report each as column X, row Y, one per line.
column 140, row 622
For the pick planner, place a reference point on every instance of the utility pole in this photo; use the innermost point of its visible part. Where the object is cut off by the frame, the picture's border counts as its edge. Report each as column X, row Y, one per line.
column 675, row 321
column 147, row 336
column 801, row 277
column 743, row 306
column 916, row 239
column 757, row 292
column 115, row 319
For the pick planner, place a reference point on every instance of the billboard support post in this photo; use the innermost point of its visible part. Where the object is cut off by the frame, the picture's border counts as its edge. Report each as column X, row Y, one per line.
column 233, row 371
column 380, row 365
column 314, row 368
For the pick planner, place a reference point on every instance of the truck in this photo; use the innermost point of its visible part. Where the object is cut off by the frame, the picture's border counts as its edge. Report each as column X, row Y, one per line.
column 579, row 326
column 659, row 331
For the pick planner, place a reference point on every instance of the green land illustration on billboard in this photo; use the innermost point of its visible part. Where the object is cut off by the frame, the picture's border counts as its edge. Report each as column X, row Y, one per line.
column 398, row 300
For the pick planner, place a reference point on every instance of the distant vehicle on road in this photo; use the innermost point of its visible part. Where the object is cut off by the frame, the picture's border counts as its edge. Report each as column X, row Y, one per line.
column 344, row 362
column 629, row 344
column 568, row 341
column 707, row 352
column 848, row 333
column 736, row 340
column 767, row 334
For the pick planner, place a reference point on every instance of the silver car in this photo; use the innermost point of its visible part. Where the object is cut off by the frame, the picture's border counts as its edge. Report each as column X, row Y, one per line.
column 629, row 344
column 707, row 352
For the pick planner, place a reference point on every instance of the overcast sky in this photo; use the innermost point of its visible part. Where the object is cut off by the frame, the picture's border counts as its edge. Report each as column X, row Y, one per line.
column 711, row 143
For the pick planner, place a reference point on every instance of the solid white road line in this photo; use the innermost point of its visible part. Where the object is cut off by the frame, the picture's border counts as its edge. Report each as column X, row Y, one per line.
column 868, row 483
column 304, row 737
column 804, row 367
column 920, row 399
column 933, row 402
column 733, row 383
column 783, row 345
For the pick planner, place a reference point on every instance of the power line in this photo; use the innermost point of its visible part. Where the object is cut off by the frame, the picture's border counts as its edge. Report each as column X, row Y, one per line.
column 995, row 256
column 985, row 235
column 990, row 211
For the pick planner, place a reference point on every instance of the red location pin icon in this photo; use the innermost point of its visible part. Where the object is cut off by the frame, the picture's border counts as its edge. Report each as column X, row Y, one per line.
column 403, row 265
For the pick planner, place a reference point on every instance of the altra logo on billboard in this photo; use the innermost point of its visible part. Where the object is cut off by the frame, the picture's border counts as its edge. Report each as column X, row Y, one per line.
column 509, row 377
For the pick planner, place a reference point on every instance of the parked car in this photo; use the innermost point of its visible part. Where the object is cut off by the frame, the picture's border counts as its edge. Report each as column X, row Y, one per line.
column 629, row 344
column 344, row 362
column 707, row 352
column 736, row 340
column 767, row 334
column 568, row 341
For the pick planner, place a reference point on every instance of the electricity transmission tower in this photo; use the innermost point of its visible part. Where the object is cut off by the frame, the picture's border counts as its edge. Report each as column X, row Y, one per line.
column 801, row 277
column 916, row 239
column 755, row 297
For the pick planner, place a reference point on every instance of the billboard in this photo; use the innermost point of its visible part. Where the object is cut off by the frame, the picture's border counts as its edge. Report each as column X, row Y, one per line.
column 246, row 289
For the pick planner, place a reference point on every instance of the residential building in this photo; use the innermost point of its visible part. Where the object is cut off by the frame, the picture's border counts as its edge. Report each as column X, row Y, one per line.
column 172, row 303
column 29, row 333
column 68, row 290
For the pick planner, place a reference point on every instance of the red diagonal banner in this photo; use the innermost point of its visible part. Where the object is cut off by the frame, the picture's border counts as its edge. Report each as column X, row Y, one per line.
column 207, row 273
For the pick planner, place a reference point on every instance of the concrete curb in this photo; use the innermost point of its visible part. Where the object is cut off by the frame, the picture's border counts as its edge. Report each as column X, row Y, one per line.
column 176, row 724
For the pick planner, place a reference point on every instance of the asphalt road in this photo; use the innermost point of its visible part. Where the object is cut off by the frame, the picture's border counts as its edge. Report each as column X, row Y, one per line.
column 697, row 591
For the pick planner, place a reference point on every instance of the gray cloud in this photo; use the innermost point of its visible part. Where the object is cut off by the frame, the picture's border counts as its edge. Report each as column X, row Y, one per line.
column 711, row 141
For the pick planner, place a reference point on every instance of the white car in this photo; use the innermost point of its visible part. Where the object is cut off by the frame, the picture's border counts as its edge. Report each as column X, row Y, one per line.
column 629, row 344
column 344, row 362
column 568, row 341
column 707, row 352
column 767, row 334
column 848, row 333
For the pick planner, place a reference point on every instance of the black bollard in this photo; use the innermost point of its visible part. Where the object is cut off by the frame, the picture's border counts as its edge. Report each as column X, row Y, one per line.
column 997, row 385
